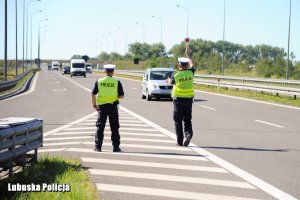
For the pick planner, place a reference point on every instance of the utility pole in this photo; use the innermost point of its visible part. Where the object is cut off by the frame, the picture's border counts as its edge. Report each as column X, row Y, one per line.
column 5, row 41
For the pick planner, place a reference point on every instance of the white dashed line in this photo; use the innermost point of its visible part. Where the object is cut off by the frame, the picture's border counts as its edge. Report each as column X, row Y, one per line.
column 268, row 123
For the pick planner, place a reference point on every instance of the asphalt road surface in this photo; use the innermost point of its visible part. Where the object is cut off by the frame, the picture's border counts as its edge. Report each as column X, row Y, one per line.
column 241, row 149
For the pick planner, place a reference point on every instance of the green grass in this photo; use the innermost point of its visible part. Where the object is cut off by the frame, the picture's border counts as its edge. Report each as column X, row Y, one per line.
column 51, row 170
column 285, row 100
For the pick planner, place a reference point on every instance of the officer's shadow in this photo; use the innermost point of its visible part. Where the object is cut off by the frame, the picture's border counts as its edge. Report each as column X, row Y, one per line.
column 199, row 100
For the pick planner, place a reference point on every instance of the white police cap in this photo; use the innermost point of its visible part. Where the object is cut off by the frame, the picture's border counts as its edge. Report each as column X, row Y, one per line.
column 109, row 66
column 183, row 60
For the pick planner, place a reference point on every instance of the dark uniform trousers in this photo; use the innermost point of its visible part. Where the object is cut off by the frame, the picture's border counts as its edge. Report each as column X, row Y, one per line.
column 110, row 111
column 183, row 112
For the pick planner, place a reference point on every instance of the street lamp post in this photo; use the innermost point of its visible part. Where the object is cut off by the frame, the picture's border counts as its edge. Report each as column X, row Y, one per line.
column 288, row 56
column 161, row 53
column 27, row 30
column 143, row 28
column 37, row 11
column 114, row 36
column 187, row 21
column 39, row 41
column 223, row 48
column 125, row 38
column 16, row 6
column 5, row 41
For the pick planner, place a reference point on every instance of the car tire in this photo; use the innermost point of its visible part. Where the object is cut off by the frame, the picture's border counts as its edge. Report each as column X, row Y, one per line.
column 148, row 96
column 143, row 96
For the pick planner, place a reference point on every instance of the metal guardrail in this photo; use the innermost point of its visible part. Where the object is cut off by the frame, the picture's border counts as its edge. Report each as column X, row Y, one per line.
column 18, row 137
column 240, row 83
column 6, row 85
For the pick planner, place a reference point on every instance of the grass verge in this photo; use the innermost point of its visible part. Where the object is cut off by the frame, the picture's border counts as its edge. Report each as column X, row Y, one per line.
column 51, row 170
column 285, row 100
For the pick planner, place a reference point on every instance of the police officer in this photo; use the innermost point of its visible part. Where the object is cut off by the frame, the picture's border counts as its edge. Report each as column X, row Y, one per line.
column 183, row 94
column 105, row 98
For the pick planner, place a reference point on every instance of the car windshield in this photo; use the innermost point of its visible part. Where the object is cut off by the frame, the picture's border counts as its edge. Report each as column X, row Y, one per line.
column 160, row 75
column 67, row 67
column 78, row 65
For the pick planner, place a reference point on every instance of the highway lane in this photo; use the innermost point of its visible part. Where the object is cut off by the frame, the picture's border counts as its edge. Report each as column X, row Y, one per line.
column 222, row 125
column 260, row 138
column 55, row 100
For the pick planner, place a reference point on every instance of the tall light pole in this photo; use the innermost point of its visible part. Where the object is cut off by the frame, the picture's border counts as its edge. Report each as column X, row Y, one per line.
column 187, row 21
column 161, row 53
column 223, row 47
column 5, row 40
column 125, row 38
column 37, row 11
column 39, row 41
column 114, row 36
column 143, row 29
column 16, row 6
column 288, row 56
column 27, row 30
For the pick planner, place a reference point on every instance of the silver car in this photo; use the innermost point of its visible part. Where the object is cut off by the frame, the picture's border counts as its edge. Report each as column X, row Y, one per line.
column 154, row 83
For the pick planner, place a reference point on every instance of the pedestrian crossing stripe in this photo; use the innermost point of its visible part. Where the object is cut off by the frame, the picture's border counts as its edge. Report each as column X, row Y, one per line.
column 154, row 165
column 109, row 132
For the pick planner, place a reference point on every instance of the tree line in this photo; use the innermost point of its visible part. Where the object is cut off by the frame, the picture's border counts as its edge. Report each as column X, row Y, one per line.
column 267, row 61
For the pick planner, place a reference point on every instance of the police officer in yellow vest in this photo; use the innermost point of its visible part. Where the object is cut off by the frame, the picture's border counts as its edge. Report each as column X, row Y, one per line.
column 182, row 94
column 105, row 98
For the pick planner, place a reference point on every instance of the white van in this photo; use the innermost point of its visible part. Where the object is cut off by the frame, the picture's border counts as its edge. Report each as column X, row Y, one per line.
column 78, row 67
column 55, row 65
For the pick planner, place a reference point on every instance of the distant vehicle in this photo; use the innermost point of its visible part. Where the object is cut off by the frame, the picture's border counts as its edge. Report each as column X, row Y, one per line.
column 78, row 67
column 66, row 69
column 154, row 83
column 55, row 65
column 88, row 67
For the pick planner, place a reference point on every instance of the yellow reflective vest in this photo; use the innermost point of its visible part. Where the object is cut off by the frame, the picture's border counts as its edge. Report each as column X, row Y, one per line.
column 184, row 84
column 107, row 90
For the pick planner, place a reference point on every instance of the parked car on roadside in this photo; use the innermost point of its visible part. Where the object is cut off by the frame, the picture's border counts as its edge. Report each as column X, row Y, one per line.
column 154, row 83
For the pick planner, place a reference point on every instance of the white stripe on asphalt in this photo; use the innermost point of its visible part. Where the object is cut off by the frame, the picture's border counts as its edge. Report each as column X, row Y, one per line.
column 60, row 143
column 121, row 124
column 122, row 128
column 109, row 132
column 268, row 123
column 121, row 120
column 68, row 138
column 50, row 150
column 165, row 193
column 108, row 138
column 208, row 107
column 145, row 146
column 154, row 165
column 163, row 177
column 151, row 155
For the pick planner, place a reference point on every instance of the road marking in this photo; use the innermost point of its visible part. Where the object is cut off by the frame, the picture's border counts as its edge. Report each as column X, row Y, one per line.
column 122, row 120
column 165, row 193
column 154, row 165
column 145, row 146
column 109, row 132
column 268, row 188
column 208, row 107
column 268, row 123
column 146, row 140
column 60, row 143
column 121, row 124
column 56, row 82
column 108, row 128
column 68, row 138
column 148, row 154
column 59, row 90
column 162, row 177
column 51, row 150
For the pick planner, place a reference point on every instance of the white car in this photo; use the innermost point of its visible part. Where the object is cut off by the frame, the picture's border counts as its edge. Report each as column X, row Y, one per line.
column 154, row 83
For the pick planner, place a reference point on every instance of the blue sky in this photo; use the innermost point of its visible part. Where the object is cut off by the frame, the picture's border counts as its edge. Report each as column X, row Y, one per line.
column 82, row 26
